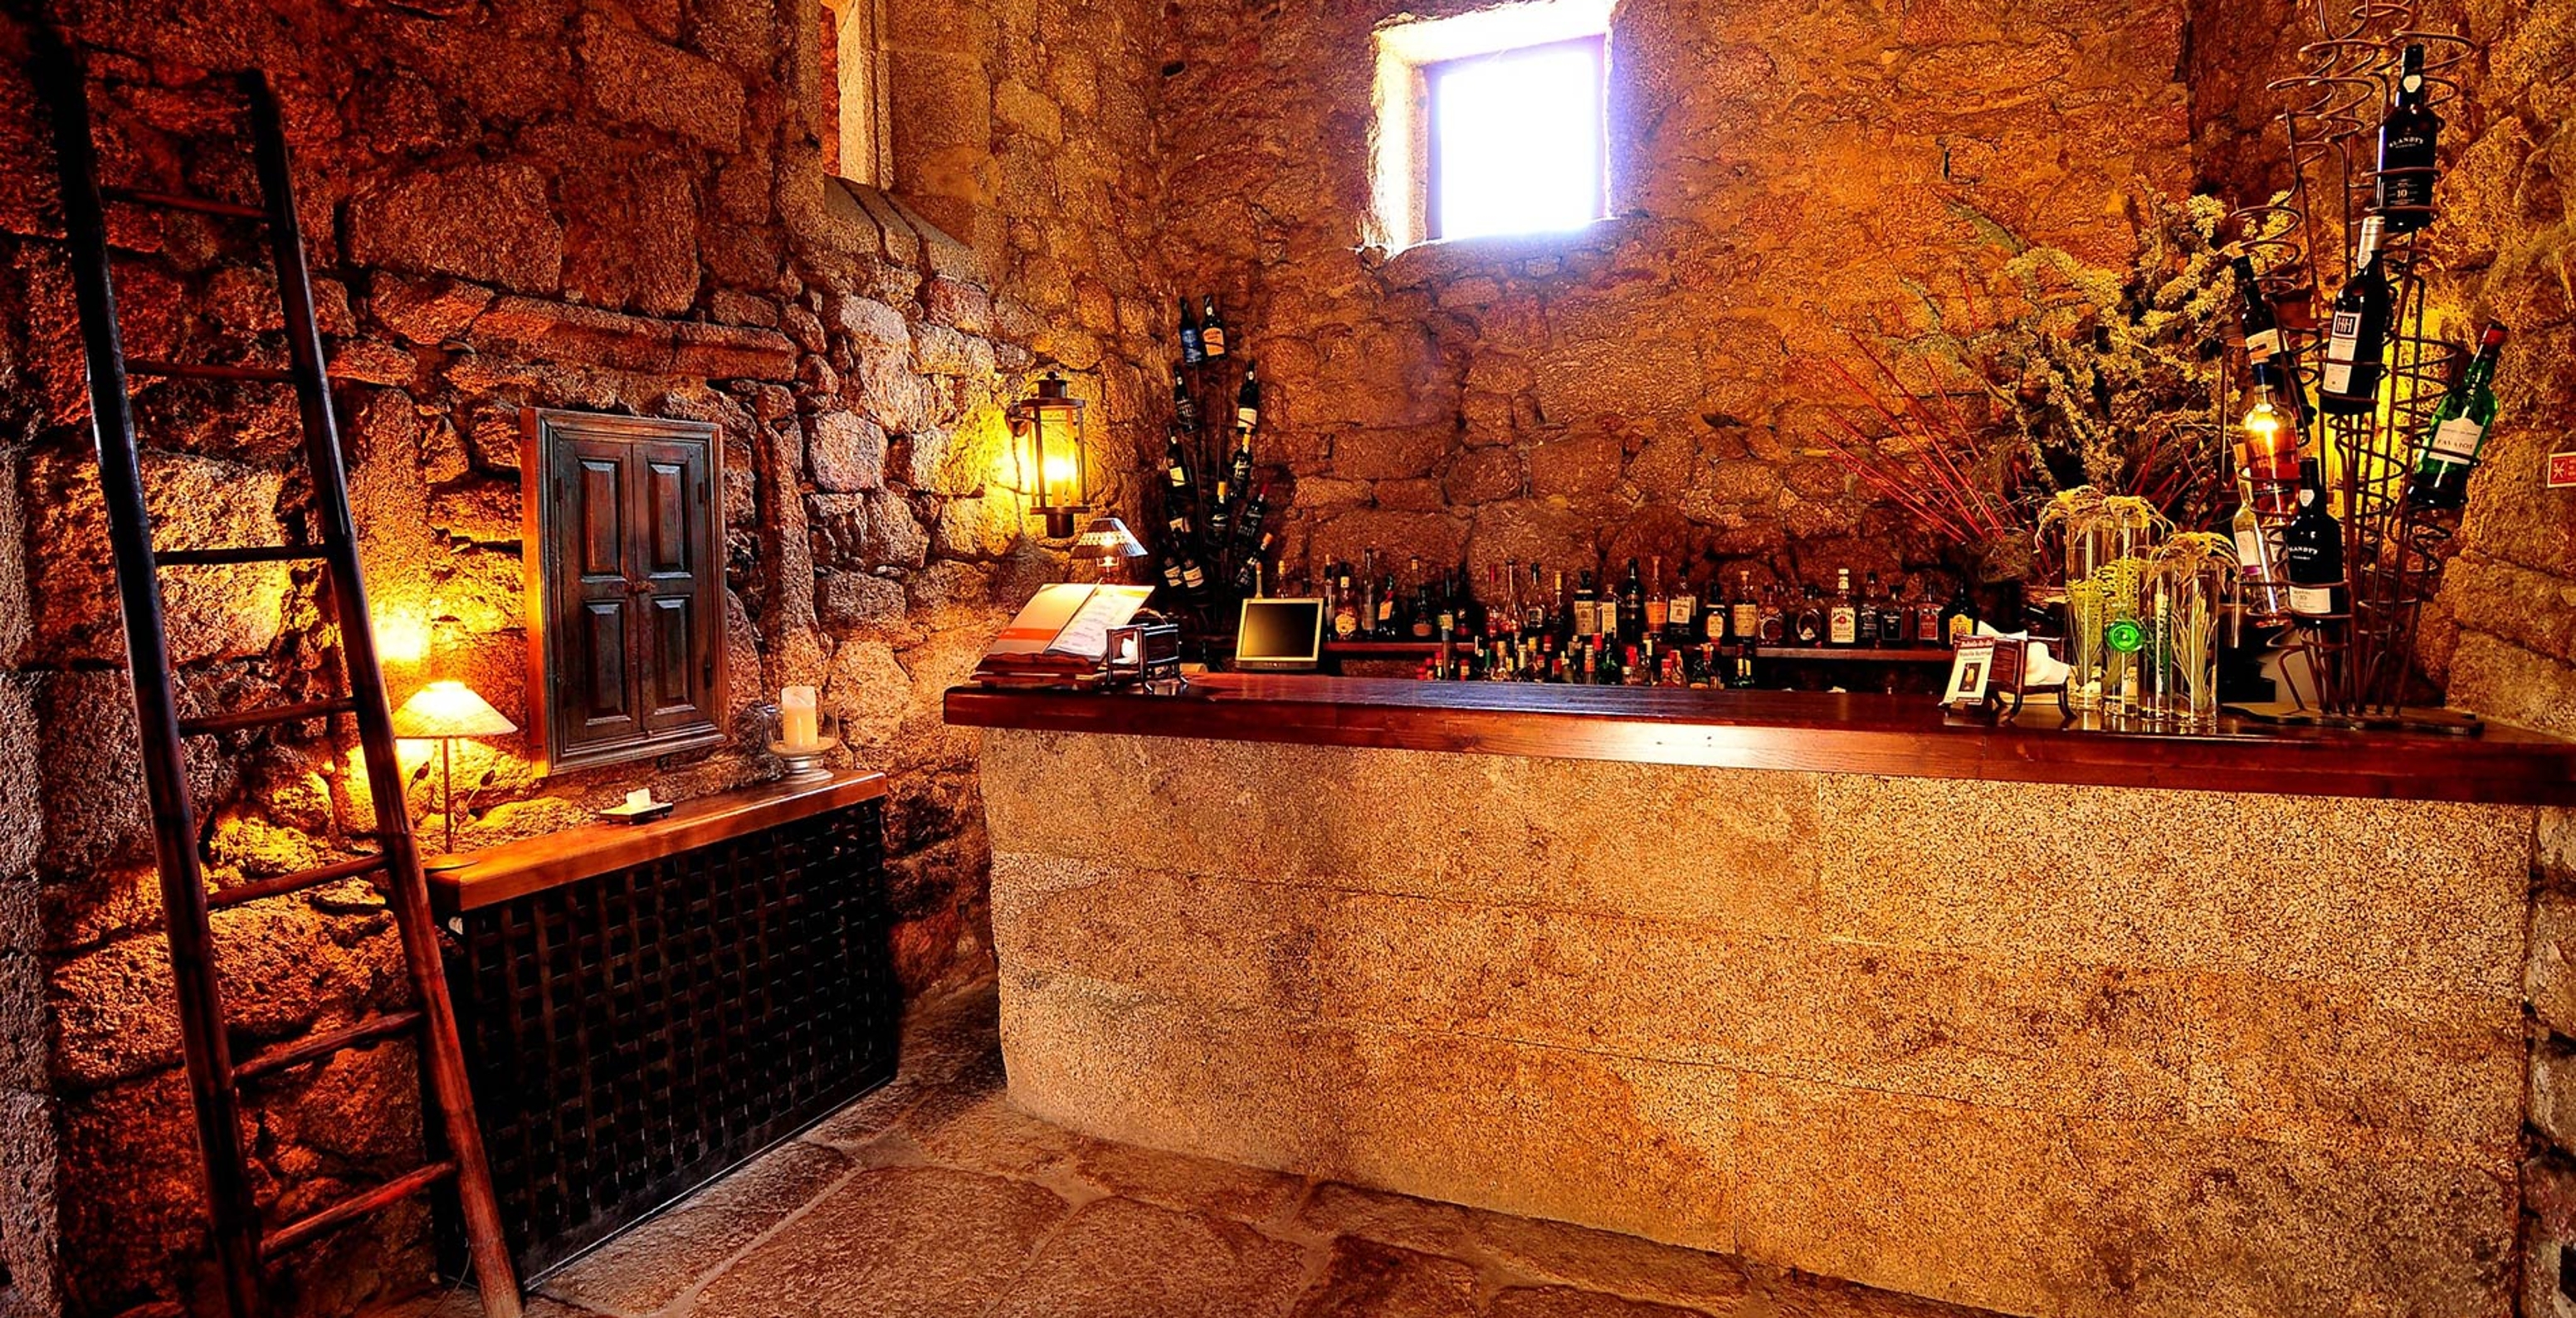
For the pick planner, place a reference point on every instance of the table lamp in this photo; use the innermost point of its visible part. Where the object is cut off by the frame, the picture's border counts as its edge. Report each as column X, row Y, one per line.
column 442, row 712
column 1107, row 542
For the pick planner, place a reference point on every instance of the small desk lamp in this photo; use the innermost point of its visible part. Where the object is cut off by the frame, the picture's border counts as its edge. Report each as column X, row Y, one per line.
column 1107, row 542
column 442, row 712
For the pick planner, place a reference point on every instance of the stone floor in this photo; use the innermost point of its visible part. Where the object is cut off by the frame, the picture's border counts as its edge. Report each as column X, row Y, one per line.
column 934, row 1197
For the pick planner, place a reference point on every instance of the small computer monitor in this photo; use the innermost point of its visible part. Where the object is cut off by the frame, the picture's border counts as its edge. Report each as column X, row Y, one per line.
column 1279, row 636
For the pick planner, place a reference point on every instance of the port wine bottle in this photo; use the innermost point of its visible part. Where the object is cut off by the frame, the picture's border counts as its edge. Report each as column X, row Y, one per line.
column 2357, row 345
column 2408, row 139
column 2450, row 449
column 2312, row 550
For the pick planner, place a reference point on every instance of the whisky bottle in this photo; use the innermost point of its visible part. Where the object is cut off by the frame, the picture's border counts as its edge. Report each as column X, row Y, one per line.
column 1587, row 608
column 1346, row 608
column 1810, row 629
column 1865, row 615
column 1773, row 626
column 2357, row 344
column 1681, row 623
column 1929, row 628
column 1892, row 615
column 1959, row 616
column 1211, row 331
column 1658, row 606
column 2450, row 447
column 1627, row 622
column 1418, row 619
column 2408, row 138
column 1193, row 348
column 2312, row 550
column 1842, row 617
column 1537, row 616
column 1744, row 616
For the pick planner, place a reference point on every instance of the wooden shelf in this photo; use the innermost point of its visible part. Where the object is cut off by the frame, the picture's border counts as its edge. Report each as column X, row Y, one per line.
column 1829, row 732
column 1784, row 653
column 515, row 869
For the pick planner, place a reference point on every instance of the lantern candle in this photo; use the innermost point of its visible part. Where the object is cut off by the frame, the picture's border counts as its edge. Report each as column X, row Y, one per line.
column 796, row 724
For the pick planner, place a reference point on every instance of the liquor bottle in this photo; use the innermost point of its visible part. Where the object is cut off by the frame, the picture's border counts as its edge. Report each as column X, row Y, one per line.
column 1346, row 607
column 1176, row 460
column 2254, row 313
column 1810, row 628
column 2312, row 550
column 1627, row 623
column 1772, row 627
column 1185, row 409
column 2267, row 597
column 1681, row 623
column 1389, row 627
column 1587, row 609
column 1865, row 614
column 1537, row 617
column 1211, row 330
column 1247, row 400
column 1240, row 472
column 1716, row 609
column 1658, row 605
column 1471, row 610
column 1176, row 514
column 1842, row 619
column 2450, row 449
column 2407, row 138
column 1892, row 615
column 1744, row 616
column 1417, row 618
column 2358, row 341
column 1959, row 616
column 1193, row 348
column 2268, row 444
column 1929, row 629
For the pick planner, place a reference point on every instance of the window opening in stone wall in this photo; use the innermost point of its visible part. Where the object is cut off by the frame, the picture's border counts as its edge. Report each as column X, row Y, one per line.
column 853, row 85
column 1491, row 122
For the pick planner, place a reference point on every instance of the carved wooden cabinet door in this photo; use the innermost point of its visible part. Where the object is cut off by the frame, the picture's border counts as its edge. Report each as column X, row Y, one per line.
column 625, row 607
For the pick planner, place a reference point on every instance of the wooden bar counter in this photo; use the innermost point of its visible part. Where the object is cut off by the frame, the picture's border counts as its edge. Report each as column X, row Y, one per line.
column 2040, row 1020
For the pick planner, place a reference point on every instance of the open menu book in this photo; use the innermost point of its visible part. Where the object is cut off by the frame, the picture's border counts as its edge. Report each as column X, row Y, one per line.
column 1064, row 630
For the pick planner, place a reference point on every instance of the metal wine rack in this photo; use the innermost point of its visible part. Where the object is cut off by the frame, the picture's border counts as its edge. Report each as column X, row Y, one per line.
column 2359, row 665
column 1208, row 614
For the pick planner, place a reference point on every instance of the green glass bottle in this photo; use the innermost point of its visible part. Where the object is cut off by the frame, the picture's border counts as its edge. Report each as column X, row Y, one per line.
column 2450, row 446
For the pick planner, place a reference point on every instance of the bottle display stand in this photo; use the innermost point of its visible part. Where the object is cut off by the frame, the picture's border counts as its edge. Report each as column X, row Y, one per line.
column 2361, row 663
column 1207, row 613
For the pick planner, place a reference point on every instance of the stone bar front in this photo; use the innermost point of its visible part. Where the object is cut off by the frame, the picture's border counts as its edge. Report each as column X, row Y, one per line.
column 1946, row 1009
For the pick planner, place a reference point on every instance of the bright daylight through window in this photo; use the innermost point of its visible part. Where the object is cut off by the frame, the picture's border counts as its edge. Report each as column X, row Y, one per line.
column 1516, row 141
column 1492, row 121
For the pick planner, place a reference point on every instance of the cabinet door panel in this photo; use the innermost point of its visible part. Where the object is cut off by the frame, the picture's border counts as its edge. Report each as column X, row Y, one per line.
column 625, row 646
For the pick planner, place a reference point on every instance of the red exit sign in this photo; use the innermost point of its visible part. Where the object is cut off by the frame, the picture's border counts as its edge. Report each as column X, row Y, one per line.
column 2562, row 470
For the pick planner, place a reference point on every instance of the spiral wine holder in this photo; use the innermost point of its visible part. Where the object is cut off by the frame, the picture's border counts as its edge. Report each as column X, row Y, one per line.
column 2359, row 666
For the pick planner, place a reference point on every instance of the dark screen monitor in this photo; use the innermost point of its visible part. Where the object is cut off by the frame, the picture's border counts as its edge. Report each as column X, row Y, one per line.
column 1279, row 636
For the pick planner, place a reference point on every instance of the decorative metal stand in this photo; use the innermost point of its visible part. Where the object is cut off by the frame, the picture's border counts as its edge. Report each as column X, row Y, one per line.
column 2361, row 664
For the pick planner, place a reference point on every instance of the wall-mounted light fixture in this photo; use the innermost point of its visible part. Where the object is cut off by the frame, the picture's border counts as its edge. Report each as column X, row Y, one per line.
column 1047, row 428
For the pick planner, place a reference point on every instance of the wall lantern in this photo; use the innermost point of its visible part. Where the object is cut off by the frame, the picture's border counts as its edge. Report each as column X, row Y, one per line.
column 1048, row 425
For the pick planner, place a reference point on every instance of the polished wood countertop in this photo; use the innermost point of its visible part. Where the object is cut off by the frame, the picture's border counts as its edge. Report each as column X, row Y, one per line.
column 1908, row 736
column 515, row 869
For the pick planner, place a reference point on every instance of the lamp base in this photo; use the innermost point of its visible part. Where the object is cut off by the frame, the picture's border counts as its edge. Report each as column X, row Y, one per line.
column 445, row 861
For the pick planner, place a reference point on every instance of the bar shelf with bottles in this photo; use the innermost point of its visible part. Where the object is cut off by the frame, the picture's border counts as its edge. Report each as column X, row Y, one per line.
column 1530, row 624
column 2362, row 426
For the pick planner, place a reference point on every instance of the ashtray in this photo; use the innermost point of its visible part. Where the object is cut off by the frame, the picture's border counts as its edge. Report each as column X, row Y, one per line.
column 637, row 812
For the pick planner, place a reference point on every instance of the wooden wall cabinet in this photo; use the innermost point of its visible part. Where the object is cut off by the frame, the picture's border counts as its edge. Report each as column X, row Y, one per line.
column 625, row 586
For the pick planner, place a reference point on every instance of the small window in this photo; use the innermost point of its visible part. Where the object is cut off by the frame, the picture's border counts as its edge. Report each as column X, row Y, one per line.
column 1491, row 122
column 1516, row 140
column 853, row 85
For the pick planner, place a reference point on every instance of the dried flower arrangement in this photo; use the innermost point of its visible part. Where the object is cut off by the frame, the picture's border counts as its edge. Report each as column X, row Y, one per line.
column 2074, row 375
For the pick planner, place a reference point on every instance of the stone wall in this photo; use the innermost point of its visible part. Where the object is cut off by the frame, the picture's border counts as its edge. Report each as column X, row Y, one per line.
column 1780, row 173
column 614, row 205
column 2037, row 1049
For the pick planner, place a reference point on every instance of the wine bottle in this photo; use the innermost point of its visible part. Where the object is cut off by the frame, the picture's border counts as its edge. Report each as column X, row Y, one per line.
column 2312, row 550
column 1193, row 348
column 2358, row 341
column 1185, row 409
column 1211, row 330
column 1240, row 470
column 1220, row 515
column 2268, row 444
column 2254, row 313
column 2407, row 140
column 1247, row 400
column 2450, row 448
column 1176, row 460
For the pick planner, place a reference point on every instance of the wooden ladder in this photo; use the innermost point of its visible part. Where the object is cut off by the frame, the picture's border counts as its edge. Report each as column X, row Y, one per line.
column 217, row 1081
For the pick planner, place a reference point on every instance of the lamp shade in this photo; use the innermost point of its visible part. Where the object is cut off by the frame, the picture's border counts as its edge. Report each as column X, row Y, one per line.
column 1107, row 538
column 449, row 709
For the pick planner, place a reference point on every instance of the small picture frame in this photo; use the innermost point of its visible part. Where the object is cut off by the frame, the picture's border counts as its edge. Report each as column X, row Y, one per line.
column 1971, row 674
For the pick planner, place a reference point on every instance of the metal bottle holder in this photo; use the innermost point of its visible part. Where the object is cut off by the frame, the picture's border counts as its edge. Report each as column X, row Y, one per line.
column 2360, row 664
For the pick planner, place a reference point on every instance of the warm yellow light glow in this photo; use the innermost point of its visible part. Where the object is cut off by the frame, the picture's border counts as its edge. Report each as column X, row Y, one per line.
column 402, row 635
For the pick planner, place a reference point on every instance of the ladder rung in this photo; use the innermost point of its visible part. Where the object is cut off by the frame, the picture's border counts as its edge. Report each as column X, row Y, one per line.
column 296, row 882
column 236, row 554
column 323, row 1045
column 342, row 1213
column 181, row 202
column 205, row 371
column 260, row 718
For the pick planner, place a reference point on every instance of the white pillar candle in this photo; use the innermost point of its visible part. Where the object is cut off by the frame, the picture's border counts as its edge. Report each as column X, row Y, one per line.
column 796, row 725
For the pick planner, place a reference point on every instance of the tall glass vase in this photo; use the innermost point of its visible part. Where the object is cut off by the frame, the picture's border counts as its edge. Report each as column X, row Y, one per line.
column 2191, row 584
